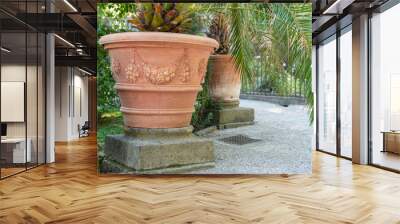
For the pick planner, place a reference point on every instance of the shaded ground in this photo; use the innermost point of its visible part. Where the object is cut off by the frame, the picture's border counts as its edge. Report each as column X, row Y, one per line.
column 285, row 145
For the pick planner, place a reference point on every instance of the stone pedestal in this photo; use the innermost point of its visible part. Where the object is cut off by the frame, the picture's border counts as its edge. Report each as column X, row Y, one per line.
column 230, row 115
column 143, row 150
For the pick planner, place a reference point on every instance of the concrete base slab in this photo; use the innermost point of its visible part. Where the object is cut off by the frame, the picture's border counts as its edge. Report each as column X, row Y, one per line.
column 155, row 150
column 234, row 117
column 110, row 166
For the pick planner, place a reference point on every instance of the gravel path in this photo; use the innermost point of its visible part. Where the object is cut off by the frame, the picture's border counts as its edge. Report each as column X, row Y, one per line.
column 285, row 146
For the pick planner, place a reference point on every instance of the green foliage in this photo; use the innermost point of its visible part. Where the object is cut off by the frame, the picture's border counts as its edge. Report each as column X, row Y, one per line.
column 219, row 31
column 163, row 17
column 241, row 23
column 203, row 115
column 112, row 125
column 240, row 19
column 109, row 116
column 269, row 42
column 286, row 46
column 111, row 18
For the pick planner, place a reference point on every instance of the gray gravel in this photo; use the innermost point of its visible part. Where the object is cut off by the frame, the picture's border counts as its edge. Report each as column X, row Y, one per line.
column 285, row 147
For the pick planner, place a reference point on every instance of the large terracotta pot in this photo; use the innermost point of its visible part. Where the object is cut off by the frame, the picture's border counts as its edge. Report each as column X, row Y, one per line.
column 224, row 80
column 158, row 75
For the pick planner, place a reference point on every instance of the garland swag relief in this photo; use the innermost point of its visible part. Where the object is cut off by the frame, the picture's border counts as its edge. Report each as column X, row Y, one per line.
column 201, row 69
column 115, row 68
column 155, row 74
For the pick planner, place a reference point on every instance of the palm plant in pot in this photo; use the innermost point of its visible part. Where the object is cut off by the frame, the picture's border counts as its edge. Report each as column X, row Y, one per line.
column 158, row 71
column 227, row 72
column 225, row 79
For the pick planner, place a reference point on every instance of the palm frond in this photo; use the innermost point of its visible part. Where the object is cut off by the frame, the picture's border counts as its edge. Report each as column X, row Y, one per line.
column 241, row 46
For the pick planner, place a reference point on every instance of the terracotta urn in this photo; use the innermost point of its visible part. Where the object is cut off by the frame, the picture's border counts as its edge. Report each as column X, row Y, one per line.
column 224, row 80
column 158, row 75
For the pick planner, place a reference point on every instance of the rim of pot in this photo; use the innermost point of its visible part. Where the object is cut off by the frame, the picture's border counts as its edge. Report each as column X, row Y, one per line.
column 152, row 37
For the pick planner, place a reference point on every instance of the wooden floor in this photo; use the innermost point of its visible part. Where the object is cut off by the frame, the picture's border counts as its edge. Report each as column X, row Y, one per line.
column 70, row 191
column 5, row 172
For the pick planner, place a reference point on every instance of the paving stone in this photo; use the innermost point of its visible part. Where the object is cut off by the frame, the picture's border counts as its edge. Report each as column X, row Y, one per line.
column 285, row 147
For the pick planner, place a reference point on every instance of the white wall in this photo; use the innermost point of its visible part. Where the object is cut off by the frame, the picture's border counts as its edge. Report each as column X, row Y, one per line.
column 33, row 126
column 16, row 73
column 62, row 81
column 12, row 73
column 12, row 99
column 385, row 74
column 71, row 94
column 80, row 94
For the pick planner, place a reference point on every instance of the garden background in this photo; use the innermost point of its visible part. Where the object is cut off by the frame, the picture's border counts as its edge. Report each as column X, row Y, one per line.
column 271, row 44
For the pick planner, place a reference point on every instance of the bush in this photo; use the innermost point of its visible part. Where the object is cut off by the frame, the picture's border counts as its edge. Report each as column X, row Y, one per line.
column 109, row 124
column 203, row 116
column 111, row 19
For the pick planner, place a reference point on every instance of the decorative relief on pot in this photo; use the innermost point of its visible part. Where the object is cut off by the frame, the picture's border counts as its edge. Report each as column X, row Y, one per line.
column 159, row 75
column 155, row 74
column 132, row 71
column 186, row 68
column 115, row 68
column 201, row 69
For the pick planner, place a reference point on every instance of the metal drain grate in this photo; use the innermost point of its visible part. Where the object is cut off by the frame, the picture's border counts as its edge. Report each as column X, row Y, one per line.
column 239, row 140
